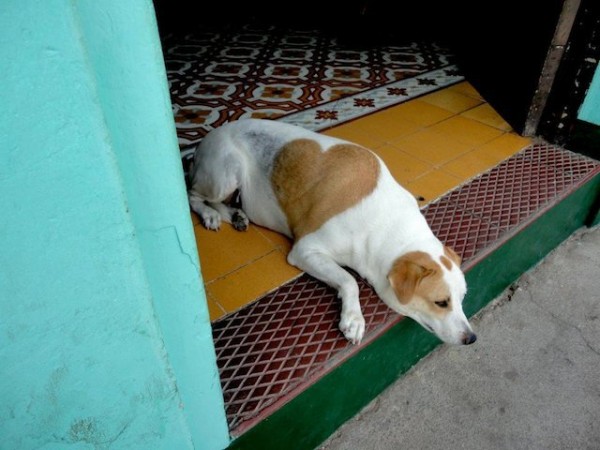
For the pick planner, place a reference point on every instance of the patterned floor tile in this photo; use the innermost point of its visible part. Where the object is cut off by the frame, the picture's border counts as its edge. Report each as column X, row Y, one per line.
column 300, row 76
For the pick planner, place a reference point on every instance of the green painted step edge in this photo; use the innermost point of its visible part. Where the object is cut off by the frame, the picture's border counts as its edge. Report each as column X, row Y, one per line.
column 312, row 416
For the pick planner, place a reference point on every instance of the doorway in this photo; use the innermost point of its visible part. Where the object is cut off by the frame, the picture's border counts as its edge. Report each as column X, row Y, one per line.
column 416, row 94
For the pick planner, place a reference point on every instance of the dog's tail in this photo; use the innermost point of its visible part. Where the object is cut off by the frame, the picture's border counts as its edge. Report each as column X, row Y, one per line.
column 187, row 160
column 188, row 151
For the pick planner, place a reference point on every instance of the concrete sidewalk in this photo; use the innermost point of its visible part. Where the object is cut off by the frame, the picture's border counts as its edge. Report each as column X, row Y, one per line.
column 531, row 381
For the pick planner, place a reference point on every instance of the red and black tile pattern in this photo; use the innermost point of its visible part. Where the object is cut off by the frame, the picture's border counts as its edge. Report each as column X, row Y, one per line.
column 221, row 75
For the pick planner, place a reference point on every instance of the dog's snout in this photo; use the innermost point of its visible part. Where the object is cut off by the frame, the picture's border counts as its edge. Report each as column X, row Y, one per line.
column 469, row 338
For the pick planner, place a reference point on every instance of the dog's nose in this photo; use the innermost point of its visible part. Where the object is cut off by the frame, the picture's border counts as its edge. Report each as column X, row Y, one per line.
column 469, row 338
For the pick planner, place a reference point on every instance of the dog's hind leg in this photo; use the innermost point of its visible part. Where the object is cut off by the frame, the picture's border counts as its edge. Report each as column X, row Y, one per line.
column 324, row 268
column 235, row 216
column 209, row 216
column 212, row 213
column 215, row 187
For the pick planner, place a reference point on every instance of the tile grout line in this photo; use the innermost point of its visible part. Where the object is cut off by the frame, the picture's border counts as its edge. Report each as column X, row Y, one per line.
column 473, row 178
column 273, row 247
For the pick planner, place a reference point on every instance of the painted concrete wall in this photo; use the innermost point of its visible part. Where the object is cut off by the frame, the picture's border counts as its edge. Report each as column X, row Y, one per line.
column 590, row 109
column 104, row 334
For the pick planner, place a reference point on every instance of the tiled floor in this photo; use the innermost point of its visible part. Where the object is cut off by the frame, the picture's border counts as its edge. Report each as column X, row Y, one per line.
column 228, row 72
column 431, row 144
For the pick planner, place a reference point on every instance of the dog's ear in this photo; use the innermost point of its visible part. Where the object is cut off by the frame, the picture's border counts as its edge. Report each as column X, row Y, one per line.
column 452, row 255
column 407, row 272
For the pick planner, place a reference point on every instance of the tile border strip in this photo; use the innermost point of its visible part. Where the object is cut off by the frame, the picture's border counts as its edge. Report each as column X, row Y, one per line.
column 361, row 104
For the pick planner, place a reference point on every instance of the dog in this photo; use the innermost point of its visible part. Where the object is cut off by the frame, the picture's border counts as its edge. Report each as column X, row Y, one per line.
column 343, row 209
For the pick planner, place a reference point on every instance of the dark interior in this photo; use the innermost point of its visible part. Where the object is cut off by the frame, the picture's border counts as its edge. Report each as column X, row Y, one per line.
column 500, row 48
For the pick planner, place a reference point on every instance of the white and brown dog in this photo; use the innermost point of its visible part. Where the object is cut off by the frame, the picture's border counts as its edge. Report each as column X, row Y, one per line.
column 343, row 208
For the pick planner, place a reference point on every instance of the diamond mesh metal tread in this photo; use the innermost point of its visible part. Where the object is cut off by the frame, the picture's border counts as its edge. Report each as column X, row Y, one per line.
column 484, row 210
column 271, row 347
column 275, row 347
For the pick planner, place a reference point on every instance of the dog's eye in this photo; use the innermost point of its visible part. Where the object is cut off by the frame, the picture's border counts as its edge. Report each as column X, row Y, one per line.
column 443, row 303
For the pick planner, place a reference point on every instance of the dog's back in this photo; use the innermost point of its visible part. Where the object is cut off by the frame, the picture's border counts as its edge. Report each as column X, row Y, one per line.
column 247, row 154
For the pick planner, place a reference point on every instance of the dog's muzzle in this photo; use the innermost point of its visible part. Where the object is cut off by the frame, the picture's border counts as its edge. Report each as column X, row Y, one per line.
column 469, row 338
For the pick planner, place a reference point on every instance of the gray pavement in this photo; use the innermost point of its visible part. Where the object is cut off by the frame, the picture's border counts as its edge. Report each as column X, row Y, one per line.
column 531, row 381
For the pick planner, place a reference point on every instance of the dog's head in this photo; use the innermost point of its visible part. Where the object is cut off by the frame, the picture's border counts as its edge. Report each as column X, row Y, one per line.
column 431, row 290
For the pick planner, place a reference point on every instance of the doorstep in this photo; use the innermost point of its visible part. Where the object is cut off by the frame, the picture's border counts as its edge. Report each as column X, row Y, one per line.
column 289, row 377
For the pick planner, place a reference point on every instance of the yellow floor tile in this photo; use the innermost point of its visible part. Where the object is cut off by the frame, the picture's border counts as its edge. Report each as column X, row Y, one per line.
column 386, row 128
column 252, row 281
column 487, row 156
column 466, row 88
column 416, row 111
column 214, row 309
column 404, row 167
column 352, row 132
column 280, row 241
column 506, row 145
column 451, row 100
column 432, row 147
column 224, row 251
column 469, row 165
column 432, row 185
column 467, row 131
column 487, row 115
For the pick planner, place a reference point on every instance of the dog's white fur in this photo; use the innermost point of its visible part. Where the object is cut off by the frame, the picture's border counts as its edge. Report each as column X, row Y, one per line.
column 372, row 236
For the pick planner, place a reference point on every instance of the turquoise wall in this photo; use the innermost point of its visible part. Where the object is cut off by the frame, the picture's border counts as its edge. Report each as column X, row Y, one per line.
column 590, row 109
column 105, row 339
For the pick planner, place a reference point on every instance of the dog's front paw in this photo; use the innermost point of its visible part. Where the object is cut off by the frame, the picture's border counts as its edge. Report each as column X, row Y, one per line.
column 211, row 219
column 353, row 326
column 239, row 220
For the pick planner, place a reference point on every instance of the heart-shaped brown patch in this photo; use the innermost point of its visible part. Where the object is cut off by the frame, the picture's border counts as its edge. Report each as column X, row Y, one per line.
column 313, row 185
